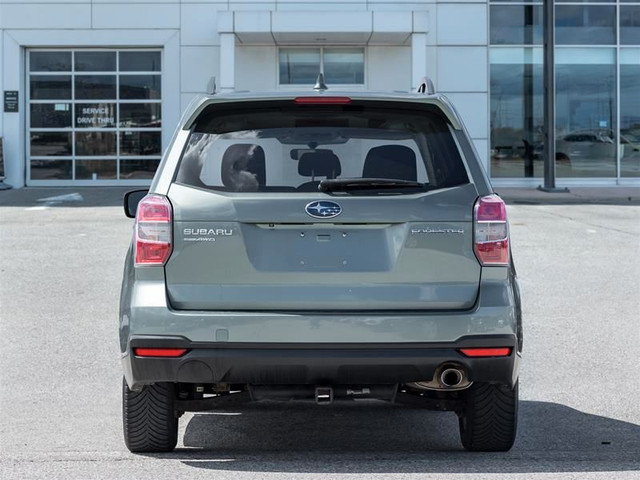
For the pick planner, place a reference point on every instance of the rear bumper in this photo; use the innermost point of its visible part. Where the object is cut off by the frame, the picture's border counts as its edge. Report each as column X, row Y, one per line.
column 144, row 311
column 289, row 364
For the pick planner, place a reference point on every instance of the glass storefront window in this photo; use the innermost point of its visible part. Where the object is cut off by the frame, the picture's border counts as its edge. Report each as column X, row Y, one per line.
column 51, row 169
column 585, row 25
column 597, row 96
column 140, row 143
column 629, row 112
column 516, row 24
column 50, row 144
column 50, row 62
column 95, row 61
column 84, row 116
column 95, row 115
column 139, row 61
column 98, row 87
column 630, row 25
column 344, row 66
column 516, row 112
column 95, row 144
column 301, row 66
column 50, row 115
column 50, row 87
column 96, row 169
column 140, row 115
column 138, row 169
column 585, row 1
column 585, row 112
column 139, row 87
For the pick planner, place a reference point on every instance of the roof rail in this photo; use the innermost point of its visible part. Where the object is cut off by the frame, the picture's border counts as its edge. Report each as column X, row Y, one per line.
column 426, row 86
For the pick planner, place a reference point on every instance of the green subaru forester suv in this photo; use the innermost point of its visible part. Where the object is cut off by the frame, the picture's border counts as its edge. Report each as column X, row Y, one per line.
column 323, row 246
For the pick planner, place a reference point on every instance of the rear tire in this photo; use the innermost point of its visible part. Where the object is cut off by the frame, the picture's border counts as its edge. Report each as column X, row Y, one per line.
column 490, row 418
column 149, row 418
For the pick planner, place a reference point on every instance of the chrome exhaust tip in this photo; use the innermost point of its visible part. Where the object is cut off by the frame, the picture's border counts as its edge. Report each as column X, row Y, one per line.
column 451, row 377
column 447, row 377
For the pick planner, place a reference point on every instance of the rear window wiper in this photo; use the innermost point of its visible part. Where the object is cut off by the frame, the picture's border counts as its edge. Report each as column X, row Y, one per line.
column 347, row 184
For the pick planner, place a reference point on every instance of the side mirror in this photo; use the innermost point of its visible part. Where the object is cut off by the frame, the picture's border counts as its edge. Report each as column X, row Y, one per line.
column 131, row 200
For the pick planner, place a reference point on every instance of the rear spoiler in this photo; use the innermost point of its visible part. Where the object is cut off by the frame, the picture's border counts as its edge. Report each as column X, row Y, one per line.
column 201, row 103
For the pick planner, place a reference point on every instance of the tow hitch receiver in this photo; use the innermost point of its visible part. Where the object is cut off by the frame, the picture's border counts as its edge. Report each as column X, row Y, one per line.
column 324, row 395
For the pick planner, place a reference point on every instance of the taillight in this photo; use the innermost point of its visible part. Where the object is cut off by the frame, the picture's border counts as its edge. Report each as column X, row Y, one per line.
column 486, row 352
column 153, row 230
column 491, row 231
column 159, row 352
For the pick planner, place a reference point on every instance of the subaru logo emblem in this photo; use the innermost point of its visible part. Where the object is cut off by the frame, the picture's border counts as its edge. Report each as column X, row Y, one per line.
column 323, row 209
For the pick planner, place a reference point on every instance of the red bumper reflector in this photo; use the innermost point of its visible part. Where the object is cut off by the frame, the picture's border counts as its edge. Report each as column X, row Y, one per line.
column 487, row 352
column 159, row 352
column 322, row 100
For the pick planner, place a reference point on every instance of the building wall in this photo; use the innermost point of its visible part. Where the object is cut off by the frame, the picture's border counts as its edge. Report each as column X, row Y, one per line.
column 455, row 51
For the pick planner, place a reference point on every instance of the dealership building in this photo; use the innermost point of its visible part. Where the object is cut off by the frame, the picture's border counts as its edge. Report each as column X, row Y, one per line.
column 93, row 89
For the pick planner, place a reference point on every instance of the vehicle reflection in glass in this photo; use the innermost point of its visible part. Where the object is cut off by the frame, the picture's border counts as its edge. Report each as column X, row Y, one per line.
column 578, row 153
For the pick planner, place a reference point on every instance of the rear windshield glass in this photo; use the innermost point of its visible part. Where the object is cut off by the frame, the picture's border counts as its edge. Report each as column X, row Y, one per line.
column 283, row 147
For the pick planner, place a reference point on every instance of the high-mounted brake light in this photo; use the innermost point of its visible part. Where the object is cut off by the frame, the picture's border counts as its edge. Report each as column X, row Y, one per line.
column 153, row 231
column 487, row 352
column 322, row 100
column 491, row 231
column 159, row 352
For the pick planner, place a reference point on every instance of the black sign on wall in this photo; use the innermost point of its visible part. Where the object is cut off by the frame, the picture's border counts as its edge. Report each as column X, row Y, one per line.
column 1, row 160
column 10, row 101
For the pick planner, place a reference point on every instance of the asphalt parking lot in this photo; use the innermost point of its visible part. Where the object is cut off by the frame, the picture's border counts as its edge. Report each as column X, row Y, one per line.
column 578, row 258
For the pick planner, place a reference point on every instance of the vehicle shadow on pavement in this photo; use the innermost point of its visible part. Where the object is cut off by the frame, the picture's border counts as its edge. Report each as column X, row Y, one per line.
column 379, row 438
